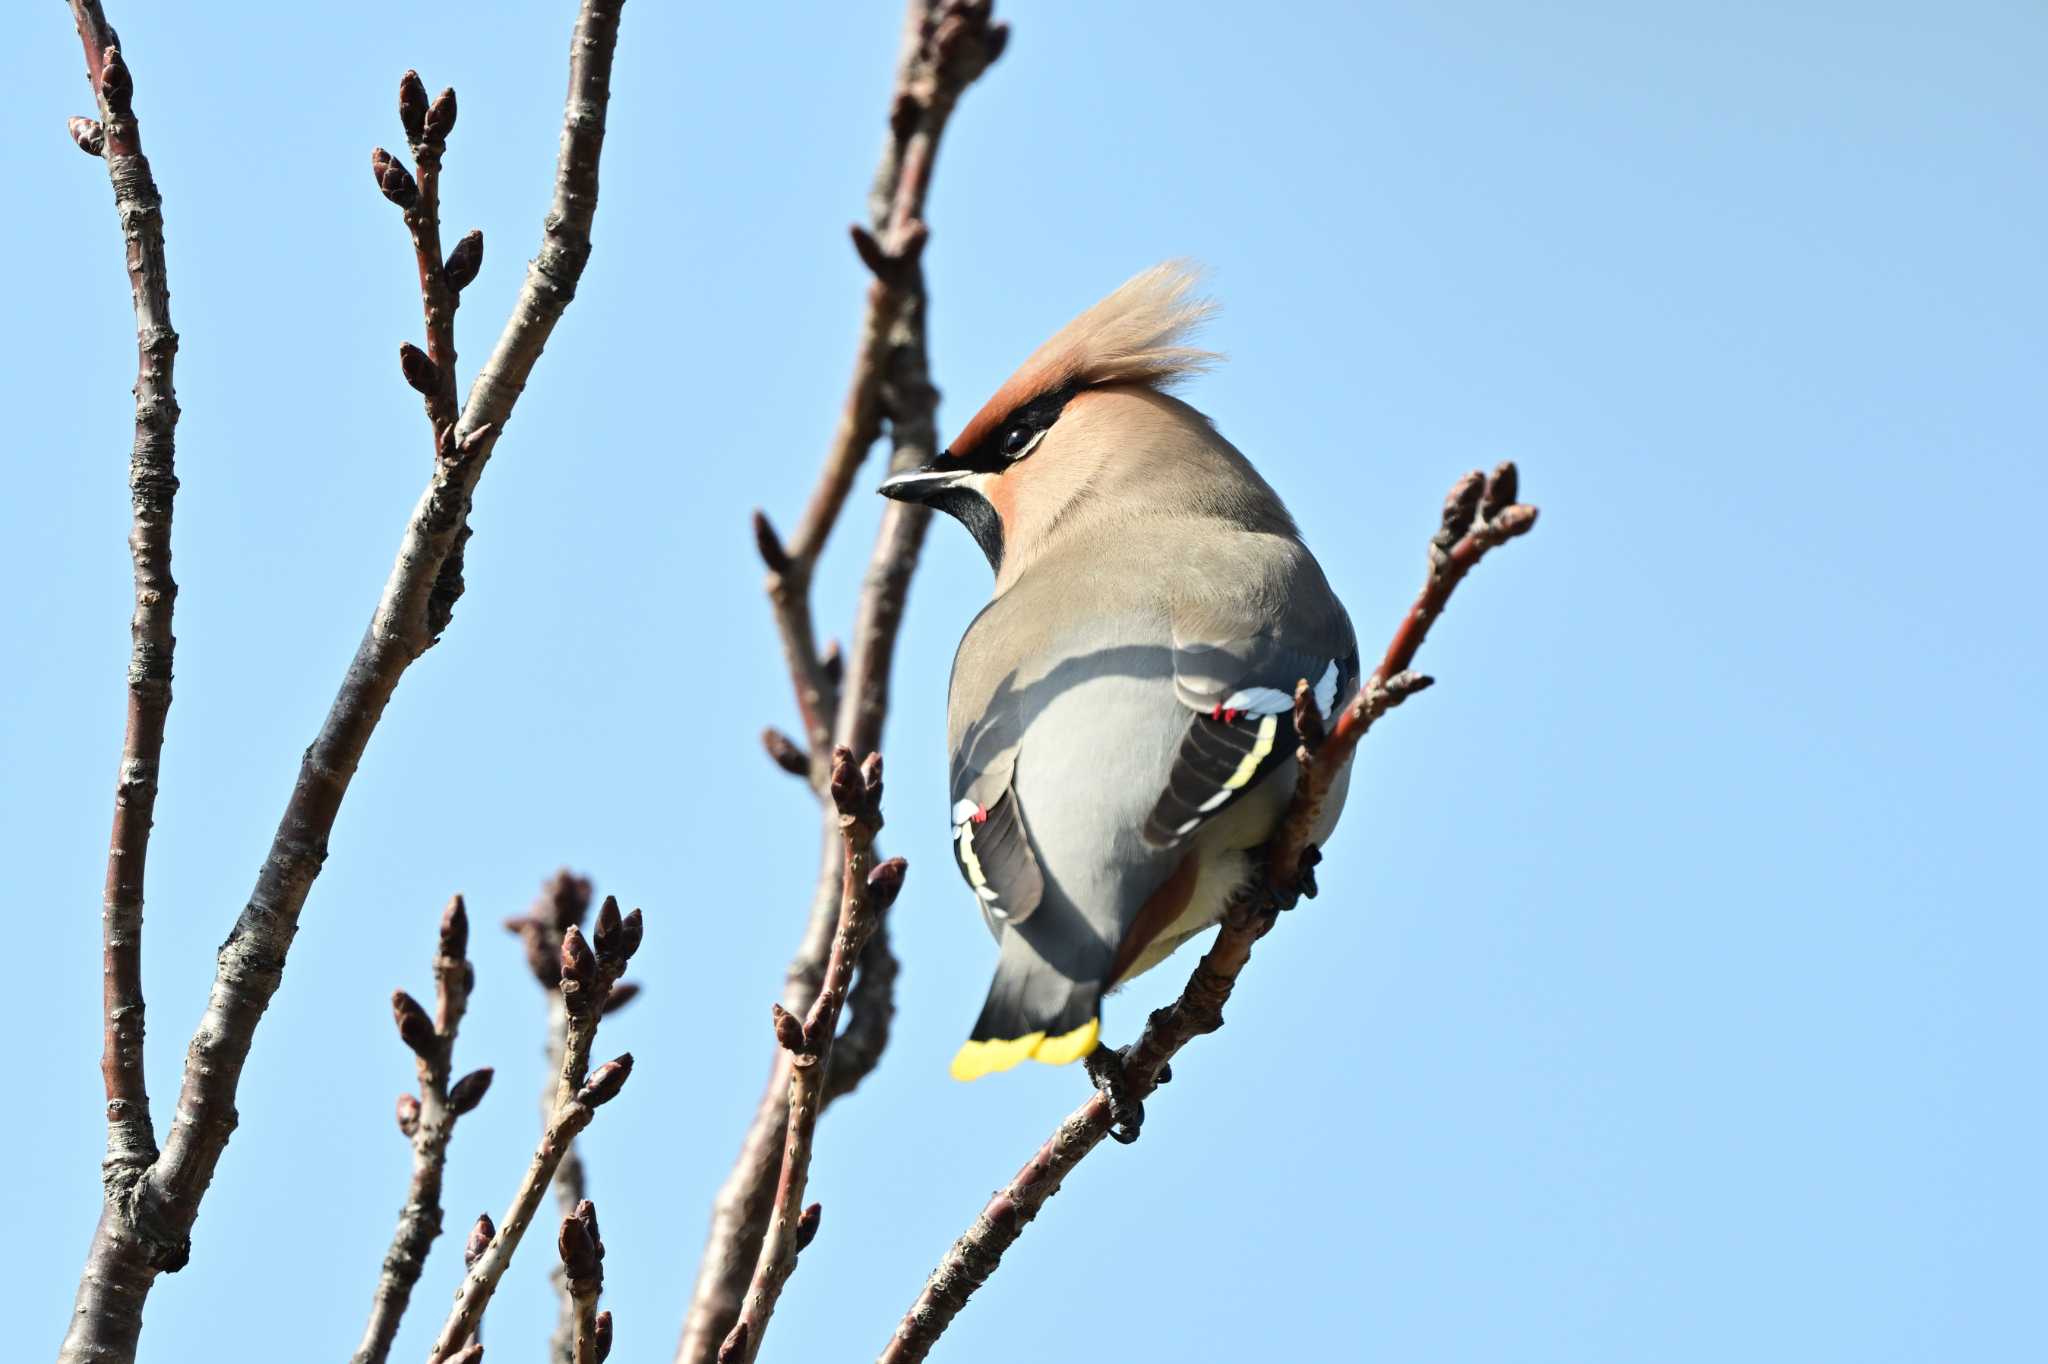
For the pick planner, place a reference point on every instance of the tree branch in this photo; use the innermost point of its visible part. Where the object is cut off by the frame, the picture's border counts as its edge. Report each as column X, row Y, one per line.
column 146, row 1228
column 947, row 44
column 589, row 968
column 1479, row 514
column 564, row 901
column 865, row 895
column 428, row 1119
column 153, row 484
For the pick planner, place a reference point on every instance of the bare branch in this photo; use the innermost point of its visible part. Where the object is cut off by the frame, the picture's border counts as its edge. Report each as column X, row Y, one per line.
column 429, row 1120
column 586, row 977
column 564, row 903
column 865, row 896
column 153, row 485
column 146, row 1228
column 1130, row 1077
column 947, row 44
column 110, row 1294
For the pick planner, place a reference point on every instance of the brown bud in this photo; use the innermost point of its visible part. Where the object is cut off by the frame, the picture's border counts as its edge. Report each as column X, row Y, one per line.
column 769, row 545
column 1500, row 490
column 566, row 897
column 871, row 253
column 586, row 1213
column 1461, row 505
column 579, row 964
column 605, row 1082
column 89, row 135
column 472, row 1353
column 605, row 937
column 784, row 753
column 465, row 261
column 885, row 882
column 420, row 372
column 441, row 117
column 848, row 790
column 622, row 994
column 903, row 112
column 1403, row 685
column 455, row 929
column 578, row 1251
column 480, row 1238
column 807, row 1225
column 630, row 932
column 394, row 181
column 117, row 84
column 1516, row 520
column 996, row 43
column 789, row 1030
column 871, row 777
column 408, row 1113
column 469, row 1091
column 735, row 1348
column 415, row 1029
column 601, row 1336
column 412, row 105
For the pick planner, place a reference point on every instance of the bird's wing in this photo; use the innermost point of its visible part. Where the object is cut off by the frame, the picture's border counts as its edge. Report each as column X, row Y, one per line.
column 989, row 841
column 1236, row 667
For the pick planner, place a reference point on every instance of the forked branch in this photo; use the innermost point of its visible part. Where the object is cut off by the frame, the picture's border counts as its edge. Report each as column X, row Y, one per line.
column 866, row 892
column 427, row 1119
column 588, row 969
column 842, row 701
column 152, row 1204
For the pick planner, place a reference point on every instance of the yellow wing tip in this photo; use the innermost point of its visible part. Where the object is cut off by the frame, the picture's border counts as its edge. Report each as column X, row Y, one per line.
column 977, row 1059
column 1068, row 1046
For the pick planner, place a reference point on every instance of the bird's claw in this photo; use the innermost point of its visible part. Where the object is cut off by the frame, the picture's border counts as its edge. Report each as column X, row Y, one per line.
column 1105, row 1066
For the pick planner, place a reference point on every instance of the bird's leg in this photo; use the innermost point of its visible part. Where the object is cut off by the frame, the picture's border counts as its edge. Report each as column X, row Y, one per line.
column 1105, row 1067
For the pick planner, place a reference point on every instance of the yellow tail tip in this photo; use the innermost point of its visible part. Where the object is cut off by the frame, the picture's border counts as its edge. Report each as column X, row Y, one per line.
column 977, row 1059
column 1068, row 1046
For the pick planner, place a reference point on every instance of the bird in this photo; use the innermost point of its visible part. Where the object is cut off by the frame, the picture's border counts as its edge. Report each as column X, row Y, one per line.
column 1120, row 718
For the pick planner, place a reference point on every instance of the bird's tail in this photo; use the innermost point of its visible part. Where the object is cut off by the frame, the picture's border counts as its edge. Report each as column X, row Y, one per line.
column 1032, row 1010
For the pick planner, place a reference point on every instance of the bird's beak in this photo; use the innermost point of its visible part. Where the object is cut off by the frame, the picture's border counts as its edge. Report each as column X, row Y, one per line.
column 922, row 484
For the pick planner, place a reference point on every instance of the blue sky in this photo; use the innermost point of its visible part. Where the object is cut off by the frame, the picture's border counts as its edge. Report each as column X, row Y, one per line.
column 1674, row 993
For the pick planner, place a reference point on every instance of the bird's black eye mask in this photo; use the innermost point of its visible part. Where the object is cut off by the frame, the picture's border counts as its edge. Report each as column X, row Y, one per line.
column 1017, row 437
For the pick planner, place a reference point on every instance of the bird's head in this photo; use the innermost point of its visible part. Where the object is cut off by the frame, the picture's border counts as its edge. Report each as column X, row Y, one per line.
column 1086, row 418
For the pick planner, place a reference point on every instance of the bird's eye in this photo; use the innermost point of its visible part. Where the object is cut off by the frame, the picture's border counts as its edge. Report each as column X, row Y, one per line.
column 1016, row 438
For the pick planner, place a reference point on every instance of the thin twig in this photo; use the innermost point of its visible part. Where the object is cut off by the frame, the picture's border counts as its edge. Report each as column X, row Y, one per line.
column 865, row 895
column 147, row 1228
column 589, row 967
column 1480, row 514
column 564, row 901
column 153, row 484
column 947, row 44
column 582, row 1269
column 428, row 1119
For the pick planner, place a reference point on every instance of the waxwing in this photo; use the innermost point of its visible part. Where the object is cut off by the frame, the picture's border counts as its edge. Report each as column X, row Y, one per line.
column 1121, row 715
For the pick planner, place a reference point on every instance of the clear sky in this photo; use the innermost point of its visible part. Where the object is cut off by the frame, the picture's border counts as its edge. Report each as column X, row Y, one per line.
column 1675, row 989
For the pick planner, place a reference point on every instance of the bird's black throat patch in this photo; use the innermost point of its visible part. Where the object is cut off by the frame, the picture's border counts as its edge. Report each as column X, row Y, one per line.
column 973, row 511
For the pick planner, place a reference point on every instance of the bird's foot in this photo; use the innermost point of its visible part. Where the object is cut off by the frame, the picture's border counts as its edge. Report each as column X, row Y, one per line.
column 1105, row 1067
column 1272, row 901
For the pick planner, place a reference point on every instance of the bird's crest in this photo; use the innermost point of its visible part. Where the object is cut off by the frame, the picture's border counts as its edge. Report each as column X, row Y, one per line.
column 1137, row 335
